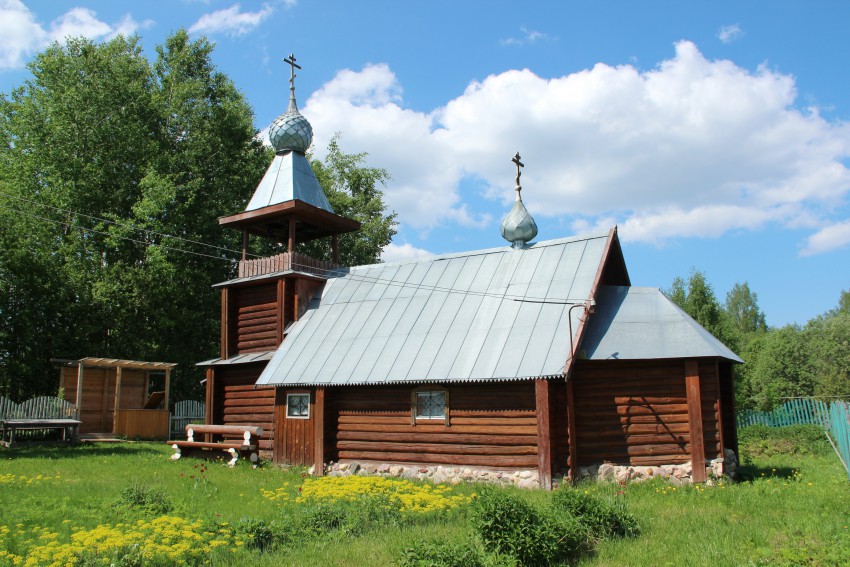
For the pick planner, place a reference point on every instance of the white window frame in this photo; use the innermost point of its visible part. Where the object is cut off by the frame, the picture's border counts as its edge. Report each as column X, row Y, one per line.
column 288, row 405
column 414, row 406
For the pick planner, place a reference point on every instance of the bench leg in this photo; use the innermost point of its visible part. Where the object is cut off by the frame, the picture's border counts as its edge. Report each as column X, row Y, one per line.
column 176, row 454
column 235, row 454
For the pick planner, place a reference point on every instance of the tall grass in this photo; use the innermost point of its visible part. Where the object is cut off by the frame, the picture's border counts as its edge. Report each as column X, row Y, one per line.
column 791, row 507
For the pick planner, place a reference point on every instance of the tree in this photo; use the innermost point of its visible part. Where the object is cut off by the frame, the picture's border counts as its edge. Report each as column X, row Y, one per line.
column 780, row 367
column 697, row 299
column 103, row 155
column 353, row 191
column 743, row 311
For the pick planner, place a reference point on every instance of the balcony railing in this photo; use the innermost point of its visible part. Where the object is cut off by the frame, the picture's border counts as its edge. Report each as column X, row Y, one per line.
column 282, row 263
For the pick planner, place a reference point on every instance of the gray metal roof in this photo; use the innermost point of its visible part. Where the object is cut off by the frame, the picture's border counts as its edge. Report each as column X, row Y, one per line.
column 289, row 177
column 498, row 314
column 239, row 359
column 642, row 323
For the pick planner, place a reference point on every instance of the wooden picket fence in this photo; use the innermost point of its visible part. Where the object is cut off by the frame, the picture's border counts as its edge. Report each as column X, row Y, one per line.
column 833, row 417
column 185, row 412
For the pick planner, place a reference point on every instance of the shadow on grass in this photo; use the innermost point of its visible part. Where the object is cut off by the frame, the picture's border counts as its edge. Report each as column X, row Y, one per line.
column 750, row 472
column 63, row 451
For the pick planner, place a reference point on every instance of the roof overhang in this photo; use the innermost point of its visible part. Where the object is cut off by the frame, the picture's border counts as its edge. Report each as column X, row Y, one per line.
column 273, row 221
column 95, row 362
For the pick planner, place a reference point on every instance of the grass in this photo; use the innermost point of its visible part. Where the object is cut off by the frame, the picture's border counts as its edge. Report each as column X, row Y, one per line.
column 792, row 507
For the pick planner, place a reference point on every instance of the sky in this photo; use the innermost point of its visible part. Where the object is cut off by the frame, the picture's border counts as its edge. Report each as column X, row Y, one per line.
column 715, row 135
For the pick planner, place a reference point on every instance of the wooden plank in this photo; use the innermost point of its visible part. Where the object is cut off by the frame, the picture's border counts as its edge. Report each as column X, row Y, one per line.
column 441, row 448
column 528, row 461
column 456, row 420
column 571, row 428
column 319, row 432
column 117, row 403
column 246, row 310
column 450, row 437
column 544, row 439
column 692, row 383
column 280, row 320
column 225, row 322
column 427, row 428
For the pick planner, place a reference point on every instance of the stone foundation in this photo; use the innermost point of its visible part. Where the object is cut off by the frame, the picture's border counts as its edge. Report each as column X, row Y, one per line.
column 678, row 474
column 438, row 474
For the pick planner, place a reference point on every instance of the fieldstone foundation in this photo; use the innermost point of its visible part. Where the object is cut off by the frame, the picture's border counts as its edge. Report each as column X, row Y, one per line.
column 437, row 474
column 676, row 474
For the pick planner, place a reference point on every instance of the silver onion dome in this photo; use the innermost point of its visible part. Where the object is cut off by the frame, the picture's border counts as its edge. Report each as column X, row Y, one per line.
column 290, row 130
column 518, row 227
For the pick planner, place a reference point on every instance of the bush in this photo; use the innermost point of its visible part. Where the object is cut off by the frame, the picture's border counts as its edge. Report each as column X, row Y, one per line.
column 509, row 525
column 764, row 441
column 350, row 517
column 602, row 518
column 443, row 554
column 149, row 500
column 256, row 532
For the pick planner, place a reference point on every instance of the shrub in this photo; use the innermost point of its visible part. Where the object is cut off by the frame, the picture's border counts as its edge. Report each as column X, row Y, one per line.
column 509, row 525
column 602, row 518
column 764, row 441
column 145, row 499
column 255, row 532
column 443, row 554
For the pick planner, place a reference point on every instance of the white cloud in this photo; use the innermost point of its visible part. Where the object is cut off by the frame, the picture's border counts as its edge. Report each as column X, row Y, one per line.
column 728, row 34
column 691, row 148
column 827, row 239
column 21, row 34
column 232, row 21
column 401, row 252
column 528, row 36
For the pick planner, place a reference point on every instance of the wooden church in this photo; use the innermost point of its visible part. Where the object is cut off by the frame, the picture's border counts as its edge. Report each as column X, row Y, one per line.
column 535, row 356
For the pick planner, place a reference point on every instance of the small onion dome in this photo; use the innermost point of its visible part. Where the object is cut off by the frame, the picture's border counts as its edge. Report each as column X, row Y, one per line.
column 518, row 227
column 290, row 130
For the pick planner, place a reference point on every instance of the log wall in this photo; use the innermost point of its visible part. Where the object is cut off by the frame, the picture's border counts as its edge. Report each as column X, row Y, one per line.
column 636, row 413
column 492, row 425
column 727, row 406
column 237, row 402
column 253, row 318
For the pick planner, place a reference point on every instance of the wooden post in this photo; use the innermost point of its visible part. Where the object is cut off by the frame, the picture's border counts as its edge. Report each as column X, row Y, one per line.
column 695, row 420
column 117, row 398
column 544, row 437
column 79, row 390
column 244, row 243
column 719, row 409
column 571, row 429
column 210, row 397
column 319, row 433
column 225, row 323
column 167, row 388
column 290, row 246
column 335, row 249
column 281, row 298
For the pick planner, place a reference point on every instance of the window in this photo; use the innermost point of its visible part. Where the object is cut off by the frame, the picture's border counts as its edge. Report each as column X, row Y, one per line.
column 430, row 404
column 298, row 406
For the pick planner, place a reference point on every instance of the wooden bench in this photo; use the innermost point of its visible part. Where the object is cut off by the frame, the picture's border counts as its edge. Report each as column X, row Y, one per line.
column 69, row 428
column 232, row 445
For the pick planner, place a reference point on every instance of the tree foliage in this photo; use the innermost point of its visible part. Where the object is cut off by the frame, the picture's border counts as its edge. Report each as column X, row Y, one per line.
column 103, row 155
column 696, row 297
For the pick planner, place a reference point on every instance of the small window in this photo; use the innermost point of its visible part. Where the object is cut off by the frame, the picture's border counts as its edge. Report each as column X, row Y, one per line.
column 429, row 404
column 298, row 406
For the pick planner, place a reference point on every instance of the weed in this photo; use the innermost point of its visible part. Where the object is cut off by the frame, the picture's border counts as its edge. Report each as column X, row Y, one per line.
column 145, row 499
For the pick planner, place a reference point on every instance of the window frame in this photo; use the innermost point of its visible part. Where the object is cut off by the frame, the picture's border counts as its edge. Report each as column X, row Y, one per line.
column 298, row 394
column 414, row 406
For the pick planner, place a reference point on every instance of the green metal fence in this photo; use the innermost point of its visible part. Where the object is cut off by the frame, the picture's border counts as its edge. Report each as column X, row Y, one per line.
column 833, row 417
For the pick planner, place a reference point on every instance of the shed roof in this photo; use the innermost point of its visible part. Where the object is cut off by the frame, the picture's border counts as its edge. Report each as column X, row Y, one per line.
column 117, row 362
column 497, row 314
column 643, row 323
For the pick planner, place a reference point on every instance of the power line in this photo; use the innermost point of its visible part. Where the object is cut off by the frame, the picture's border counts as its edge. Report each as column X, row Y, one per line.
column 86, row 229
column 123, row 224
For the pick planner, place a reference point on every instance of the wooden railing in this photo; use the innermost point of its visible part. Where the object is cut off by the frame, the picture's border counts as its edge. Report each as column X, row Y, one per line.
column 284, row 262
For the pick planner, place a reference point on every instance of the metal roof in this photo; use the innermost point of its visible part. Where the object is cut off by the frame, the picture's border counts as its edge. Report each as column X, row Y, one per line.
column 643, row 323
column 289, row 177
column 498, row 314
column 238, row 359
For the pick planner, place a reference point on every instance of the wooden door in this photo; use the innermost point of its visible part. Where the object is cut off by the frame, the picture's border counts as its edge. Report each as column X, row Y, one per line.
column 294, row 421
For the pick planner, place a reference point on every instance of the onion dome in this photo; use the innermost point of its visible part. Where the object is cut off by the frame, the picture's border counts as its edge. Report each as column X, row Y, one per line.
column 291, row 131
column 518, row 227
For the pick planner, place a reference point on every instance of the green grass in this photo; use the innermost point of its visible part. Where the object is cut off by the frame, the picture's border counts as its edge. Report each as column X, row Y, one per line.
column 792, row 507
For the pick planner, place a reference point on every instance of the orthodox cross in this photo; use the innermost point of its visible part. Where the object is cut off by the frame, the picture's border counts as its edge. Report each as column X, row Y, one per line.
column 519, row 164
column 291, row 61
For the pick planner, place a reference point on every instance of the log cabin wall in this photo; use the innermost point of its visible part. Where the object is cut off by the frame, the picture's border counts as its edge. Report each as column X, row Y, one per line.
column 252, row 318
column 636, row 412
column 491, row 425
column 559, row 416
column 237, row 402
column 727, row 406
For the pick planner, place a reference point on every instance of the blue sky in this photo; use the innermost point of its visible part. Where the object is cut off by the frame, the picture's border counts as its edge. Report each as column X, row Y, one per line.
column 716, row 135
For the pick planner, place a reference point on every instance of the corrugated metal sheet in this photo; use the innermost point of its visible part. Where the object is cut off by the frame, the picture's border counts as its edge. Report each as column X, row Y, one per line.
column 289, row 177
column 642, row 323
column 239, row 359
column 497, row 314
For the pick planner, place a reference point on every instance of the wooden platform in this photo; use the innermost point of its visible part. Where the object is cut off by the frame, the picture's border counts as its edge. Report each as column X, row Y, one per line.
column 69, row 428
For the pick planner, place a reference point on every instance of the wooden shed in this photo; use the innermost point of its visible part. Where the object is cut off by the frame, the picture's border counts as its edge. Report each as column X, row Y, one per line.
column 97, row 386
